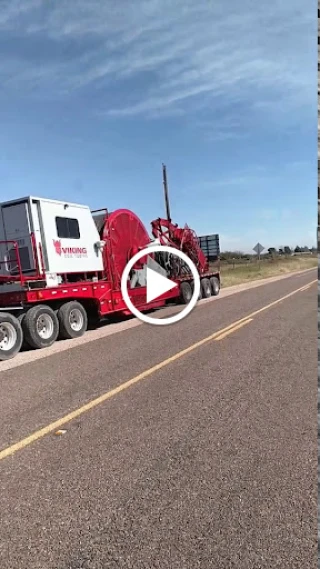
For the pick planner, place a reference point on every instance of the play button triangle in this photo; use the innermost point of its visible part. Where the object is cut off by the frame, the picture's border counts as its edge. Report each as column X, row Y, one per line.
column 157, row 285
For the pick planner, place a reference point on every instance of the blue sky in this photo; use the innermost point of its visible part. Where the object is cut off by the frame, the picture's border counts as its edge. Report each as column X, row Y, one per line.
column 96, row 94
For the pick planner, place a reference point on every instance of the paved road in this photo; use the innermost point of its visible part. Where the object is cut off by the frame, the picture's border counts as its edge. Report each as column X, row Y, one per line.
column 207, row 460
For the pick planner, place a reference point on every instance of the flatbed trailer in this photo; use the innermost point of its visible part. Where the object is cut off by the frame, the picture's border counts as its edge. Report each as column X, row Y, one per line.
column 100, row 298
column 61, row 267
column 38, row 317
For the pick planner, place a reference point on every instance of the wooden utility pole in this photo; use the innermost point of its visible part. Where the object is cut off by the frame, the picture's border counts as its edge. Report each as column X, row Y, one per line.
column 166, row 193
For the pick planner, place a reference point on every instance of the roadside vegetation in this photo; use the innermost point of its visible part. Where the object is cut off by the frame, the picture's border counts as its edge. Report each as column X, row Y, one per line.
column 237, row 271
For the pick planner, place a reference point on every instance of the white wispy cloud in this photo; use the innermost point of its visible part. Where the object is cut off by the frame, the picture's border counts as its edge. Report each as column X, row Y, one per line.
column 10, row 10
column 182, row 53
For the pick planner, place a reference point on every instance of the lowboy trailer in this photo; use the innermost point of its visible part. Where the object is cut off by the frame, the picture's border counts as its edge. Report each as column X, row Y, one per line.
column 61, row 268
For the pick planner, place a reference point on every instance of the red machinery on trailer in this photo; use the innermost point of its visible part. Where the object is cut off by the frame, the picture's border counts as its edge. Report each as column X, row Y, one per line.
column 61, row 268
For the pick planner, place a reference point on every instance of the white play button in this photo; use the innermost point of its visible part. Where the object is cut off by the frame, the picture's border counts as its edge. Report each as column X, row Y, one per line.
column 157, row 285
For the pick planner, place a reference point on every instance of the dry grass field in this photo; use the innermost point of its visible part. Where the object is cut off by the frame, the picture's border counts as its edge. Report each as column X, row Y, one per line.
column 240, row 272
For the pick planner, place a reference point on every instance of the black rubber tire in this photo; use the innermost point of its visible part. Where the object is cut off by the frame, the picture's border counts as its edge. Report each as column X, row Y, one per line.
column 64, row 314
column 29, row 327
column 93, row 320
column 185, row 292
column 205, row 288
column 24, row 346
column 215, row 286
column 13, row 322
column 200, row 292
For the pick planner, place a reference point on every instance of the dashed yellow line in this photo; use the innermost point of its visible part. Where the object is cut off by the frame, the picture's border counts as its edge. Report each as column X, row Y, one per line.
column 55, row 425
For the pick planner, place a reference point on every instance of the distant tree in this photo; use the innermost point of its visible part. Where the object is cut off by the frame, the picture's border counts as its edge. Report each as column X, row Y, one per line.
column 281, row 251
column 305, row 249
column 287, row 250
column 297, row 249
column 228, row 255
column 238, row 254
column 272, row 251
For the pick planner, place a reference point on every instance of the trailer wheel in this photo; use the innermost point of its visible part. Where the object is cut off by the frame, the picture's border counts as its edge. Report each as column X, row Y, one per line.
column 11, row 336
column 93, row 320
column 200, row 292
column 215, row 286
column 25, row 345
column 205, row 288
column 185, row 292
column 73, row 320
column 40, row 326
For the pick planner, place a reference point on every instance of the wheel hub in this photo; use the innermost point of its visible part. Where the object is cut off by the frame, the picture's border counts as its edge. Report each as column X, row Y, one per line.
column 45, row 326
column 8, row 336
column 76, row 320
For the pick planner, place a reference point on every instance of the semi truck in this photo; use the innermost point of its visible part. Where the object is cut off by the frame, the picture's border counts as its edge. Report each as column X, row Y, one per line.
column 61, row 266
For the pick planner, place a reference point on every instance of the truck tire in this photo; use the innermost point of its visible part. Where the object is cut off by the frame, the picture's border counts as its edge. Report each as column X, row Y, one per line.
column 93, row 320
column 205, row 288
column 40, row 327
column 11, row 336
column 24, row 346
column 73, row 320
column 215, row 286
column 200, row 291
column 185, row 292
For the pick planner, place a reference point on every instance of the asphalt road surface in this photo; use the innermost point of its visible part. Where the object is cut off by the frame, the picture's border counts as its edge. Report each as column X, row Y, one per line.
column 182, row 447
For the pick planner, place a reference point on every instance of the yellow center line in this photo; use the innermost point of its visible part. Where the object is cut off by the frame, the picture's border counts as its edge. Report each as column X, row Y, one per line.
column 234, row 329
column 306, row 287
column 55, row 425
